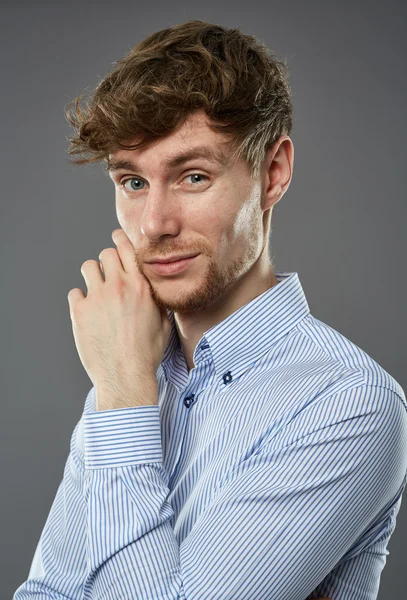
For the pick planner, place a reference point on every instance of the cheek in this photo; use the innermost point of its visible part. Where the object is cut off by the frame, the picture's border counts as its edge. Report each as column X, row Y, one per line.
column 210, row 223
column 244, row 221
column 243, row 238
column 244, row 215
column 121, row 215
column 230, row 235
column 127, row 218
column 249, row 219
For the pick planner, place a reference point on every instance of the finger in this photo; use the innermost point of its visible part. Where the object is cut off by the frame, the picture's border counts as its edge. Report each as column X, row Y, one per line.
column 74, row 296
column 125, row 249
column 110, row 262
column 91, row 273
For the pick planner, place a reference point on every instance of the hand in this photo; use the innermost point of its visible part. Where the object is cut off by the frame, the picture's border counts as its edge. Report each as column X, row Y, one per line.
column 120, row 332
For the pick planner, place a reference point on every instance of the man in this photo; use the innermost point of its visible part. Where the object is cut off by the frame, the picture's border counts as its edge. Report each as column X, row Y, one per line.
column 232, row 445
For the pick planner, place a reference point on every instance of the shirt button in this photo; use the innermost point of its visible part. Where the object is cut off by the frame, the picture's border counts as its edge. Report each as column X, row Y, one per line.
column 189, row 400
column 227, row 377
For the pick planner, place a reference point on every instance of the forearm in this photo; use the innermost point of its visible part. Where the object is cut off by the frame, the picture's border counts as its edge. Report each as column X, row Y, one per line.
column 59, row 565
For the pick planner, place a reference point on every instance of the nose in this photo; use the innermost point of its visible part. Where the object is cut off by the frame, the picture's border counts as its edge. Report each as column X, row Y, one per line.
column 161, row 214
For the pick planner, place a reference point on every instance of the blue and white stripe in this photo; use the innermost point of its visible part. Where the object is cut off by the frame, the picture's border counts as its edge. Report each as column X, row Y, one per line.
column 273, row 470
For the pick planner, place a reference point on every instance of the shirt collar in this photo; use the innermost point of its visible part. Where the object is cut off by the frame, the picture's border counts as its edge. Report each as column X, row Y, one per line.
column 240, row 340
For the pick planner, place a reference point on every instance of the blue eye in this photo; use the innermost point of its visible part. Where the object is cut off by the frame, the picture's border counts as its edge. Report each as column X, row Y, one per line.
column 132, row 179
column 136, row 188
column 197, row 175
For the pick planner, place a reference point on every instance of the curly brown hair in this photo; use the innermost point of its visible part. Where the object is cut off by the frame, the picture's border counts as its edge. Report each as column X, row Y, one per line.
column 176, row 71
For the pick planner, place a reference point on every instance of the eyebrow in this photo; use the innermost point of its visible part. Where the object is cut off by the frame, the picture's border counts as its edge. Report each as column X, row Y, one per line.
column 215, row 156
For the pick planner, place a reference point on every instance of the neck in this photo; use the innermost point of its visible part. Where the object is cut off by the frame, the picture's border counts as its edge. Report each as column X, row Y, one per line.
column 191, row 326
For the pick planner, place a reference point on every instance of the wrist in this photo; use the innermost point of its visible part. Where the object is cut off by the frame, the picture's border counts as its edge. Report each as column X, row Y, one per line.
column 142, row 393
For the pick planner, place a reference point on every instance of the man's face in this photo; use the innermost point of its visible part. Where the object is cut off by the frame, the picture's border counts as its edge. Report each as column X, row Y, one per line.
column 196, row 207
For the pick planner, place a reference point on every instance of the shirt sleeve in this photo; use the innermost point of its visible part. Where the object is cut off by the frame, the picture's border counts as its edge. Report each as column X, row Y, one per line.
column 358, row 573
column 59, row 565
column 280, row 522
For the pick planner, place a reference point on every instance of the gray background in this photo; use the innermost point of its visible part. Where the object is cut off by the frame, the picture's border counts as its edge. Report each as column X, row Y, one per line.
column 341, row 224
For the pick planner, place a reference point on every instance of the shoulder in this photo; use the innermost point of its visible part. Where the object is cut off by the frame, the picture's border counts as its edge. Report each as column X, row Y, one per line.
column 342, row 351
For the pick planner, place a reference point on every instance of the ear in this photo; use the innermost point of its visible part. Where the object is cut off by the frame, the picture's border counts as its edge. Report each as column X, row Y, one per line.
column 277, row 170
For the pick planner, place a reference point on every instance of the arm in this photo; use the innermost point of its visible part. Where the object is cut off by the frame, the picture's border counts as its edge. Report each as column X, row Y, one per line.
column 279, row 524
column 358, row 573
column 59, row 565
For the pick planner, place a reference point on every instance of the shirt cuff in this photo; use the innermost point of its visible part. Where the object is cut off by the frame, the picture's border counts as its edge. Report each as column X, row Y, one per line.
column 122, row 437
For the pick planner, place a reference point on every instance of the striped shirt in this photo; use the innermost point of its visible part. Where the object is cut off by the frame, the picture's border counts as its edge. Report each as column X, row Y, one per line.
column 272, row 470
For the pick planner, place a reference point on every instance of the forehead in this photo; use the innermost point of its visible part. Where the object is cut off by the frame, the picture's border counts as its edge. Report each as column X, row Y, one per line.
column 192, row 139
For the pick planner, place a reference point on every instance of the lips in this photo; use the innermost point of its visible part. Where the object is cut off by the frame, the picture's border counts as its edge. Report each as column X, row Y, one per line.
column 170, row 260
column 173, row 267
